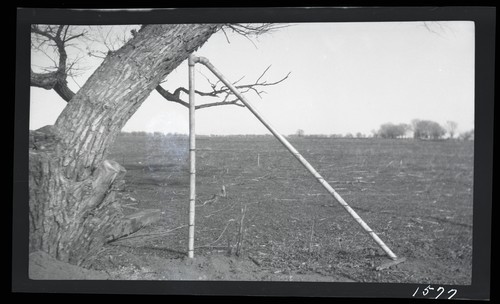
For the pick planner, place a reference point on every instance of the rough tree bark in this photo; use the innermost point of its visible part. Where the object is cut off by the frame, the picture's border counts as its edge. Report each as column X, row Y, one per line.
column 73, row 209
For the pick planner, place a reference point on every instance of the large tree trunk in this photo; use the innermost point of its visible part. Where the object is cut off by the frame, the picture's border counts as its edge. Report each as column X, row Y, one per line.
column 73, row 210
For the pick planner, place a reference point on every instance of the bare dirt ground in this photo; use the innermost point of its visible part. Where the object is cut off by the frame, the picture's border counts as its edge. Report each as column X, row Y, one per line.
column 417, row 196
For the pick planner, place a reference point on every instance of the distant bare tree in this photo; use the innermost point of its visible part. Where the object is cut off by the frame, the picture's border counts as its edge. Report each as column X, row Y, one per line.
column 451, row 127
column 390, row 130
column 468, row 135
column 427, row 129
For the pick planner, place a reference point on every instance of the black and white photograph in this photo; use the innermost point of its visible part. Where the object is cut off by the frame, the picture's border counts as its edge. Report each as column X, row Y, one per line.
column 312, row 152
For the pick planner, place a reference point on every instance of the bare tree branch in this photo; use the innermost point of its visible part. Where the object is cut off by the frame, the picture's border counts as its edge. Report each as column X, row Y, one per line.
column 56, row 80
column 254, row 29
column 55, row 39
column 249, row 30
column 225, row 35
column 220, row 91
column 222, row 103
column 46, row 80
column 175, row 98
column 171, row 97
column 223, row 89
column 64, row 91
column 74, row 37
column 97, row 54
column 263, row 73
column 47, row 33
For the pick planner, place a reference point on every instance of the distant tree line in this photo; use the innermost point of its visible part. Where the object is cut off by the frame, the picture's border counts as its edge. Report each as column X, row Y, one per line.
column 422, row 129
column 417, row 129
column 150, row 134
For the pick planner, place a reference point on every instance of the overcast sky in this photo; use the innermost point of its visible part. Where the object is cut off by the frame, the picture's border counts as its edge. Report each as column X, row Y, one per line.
column 345, row 78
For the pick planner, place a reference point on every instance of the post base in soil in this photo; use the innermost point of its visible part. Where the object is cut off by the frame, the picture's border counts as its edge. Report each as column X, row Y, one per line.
column 189, row 261
column 390, row 264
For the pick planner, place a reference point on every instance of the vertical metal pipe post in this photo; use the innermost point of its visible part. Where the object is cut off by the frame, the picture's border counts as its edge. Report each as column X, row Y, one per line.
column 300, row 158
column 192, row 157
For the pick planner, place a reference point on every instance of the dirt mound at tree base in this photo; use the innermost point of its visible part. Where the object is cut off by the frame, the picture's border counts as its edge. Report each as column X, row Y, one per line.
column 200, row 268
column 212, row 268
column 44, row 267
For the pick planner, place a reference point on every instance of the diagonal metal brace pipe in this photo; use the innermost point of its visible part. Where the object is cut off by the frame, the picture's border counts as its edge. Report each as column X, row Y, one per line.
column 194, row 59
